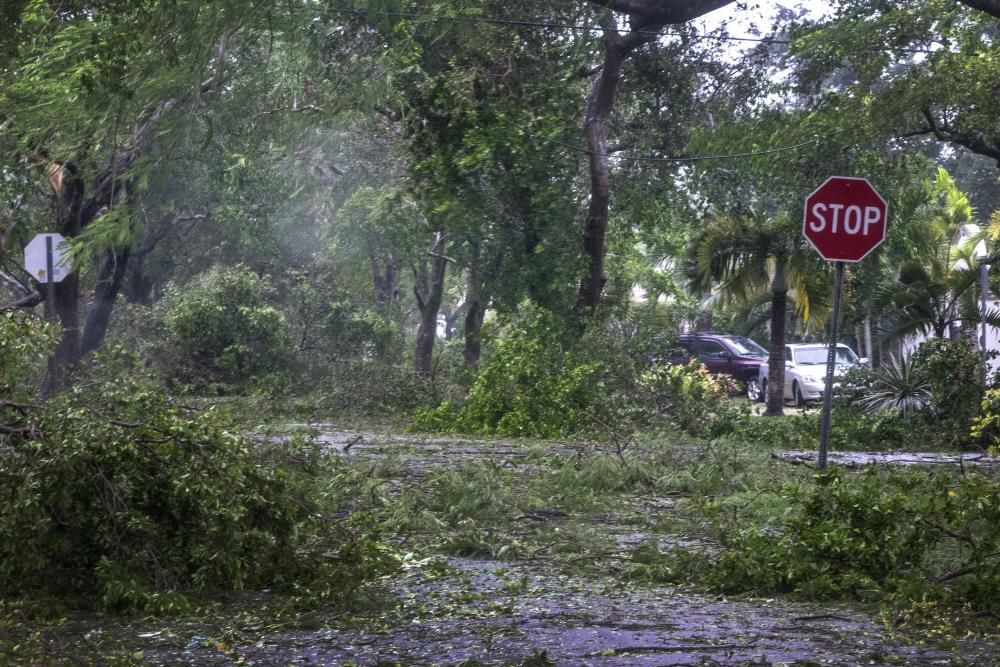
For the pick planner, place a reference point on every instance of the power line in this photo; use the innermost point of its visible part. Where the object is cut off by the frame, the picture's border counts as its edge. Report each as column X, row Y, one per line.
column 560, row 26
column 693, row 158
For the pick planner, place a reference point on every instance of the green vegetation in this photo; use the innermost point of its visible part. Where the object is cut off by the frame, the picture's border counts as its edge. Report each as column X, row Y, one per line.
column 221, row 335
column 485, row 219
column 123, row 498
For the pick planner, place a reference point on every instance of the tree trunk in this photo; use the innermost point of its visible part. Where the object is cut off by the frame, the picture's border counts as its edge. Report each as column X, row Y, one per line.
column 646, row 18
column 776, row 355
column 473, row 328
column 599, row 107
column 109, row 282
column 704, row 321
column 66, row 295
column 868, row 343
column 451, row 319
column 138, row 287
column 429, row 291
column 385, row 277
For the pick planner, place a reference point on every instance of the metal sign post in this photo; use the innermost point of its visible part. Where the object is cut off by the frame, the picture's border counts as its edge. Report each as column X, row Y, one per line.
column 831, row 364
column 47, row 259
column 845, row 220
column 50, row 306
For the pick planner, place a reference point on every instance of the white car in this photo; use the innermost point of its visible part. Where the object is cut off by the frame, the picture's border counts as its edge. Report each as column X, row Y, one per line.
column 805, row 371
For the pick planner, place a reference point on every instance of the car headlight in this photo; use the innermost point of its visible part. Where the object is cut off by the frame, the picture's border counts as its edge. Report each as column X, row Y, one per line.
column 809, row 378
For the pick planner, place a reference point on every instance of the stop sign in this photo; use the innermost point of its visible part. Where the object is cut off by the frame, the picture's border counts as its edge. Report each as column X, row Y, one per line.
column 845, row 219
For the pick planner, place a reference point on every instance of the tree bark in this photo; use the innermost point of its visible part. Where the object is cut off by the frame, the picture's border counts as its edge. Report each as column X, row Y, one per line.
column 599, row 107
column 646, row 18
column 776, row 355
column 473, row 329
column 385, row 277
column 868, row 343
column 109, row 282
column 66, row 295
column 429, row 290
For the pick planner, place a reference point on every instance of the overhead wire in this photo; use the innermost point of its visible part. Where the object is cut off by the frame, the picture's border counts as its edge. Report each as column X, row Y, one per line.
column 522, row 23
column 687, row 158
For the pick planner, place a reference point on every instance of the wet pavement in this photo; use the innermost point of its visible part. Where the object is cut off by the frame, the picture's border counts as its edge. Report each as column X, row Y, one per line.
column 496, row 613
column 464, row 611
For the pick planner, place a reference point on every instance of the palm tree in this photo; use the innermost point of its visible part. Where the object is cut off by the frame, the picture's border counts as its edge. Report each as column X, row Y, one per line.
column 743, row 258
column 936, row 289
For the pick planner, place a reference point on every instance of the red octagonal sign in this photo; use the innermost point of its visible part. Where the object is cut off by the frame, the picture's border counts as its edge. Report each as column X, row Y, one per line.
column 845, row 219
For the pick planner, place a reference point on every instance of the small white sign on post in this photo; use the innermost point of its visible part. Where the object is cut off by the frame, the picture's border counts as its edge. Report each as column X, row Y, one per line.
column 36, row 263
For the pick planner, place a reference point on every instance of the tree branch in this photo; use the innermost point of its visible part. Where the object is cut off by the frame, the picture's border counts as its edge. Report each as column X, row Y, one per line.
column 29, row 301
column 991, row 7
column 664, row 12
column 942, row 132
column 308, row 107
column 14, row 284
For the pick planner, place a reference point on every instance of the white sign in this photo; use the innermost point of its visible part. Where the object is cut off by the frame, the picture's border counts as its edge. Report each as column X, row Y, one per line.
column 35, row 261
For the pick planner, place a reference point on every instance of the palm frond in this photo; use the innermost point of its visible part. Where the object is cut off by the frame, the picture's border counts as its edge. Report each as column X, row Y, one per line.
column 900, row 386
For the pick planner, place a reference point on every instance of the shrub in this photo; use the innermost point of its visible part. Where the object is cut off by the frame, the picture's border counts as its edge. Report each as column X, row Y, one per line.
column 986, row 426
column 952, row 371
column 908, row 536
column 533, row 385
column 124, row 498
column 843, row 540
column 222, row 335
column 25, row 342
column 900, row 385
column 688, row 393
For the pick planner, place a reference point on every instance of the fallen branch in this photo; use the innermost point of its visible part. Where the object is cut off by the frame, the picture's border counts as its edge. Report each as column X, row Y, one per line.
column 822, row 617
column 353, row 442
column 20, row 407
column 29, row 301
column 28, row 432
column 674, row 649
column 795, row 461
column 961, row 572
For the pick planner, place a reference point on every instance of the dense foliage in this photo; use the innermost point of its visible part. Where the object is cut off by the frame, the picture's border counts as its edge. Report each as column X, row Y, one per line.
column 221, row 333
column 874, row 537
column 487, row 218
column 120, row 497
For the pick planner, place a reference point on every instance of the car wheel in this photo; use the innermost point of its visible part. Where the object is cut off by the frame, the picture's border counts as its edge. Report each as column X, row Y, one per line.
column 754, row 391
column 797, row 396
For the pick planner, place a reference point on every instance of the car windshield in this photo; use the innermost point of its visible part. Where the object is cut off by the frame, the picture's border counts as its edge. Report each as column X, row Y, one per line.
column 747, row 347
column 817, row 355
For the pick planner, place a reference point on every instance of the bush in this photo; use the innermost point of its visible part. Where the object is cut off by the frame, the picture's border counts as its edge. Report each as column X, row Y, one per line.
column 985, row 428
column 952, row 371
column 222, row 335
column 124, row 499
column 533, row 385
column 688, row 393
column 25, row 342
column 910, row 536
column 843, row 540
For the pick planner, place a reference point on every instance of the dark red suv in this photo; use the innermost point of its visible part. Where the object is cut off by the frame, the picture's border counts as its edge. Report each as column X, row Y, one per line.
column 738, row 356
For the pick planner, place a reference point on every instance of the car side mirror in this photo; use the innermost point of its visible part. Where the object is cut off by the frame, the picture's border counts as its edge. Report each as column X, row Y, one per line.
column 863, row 361
column 788, row 362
